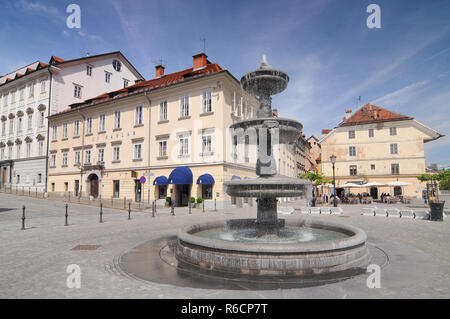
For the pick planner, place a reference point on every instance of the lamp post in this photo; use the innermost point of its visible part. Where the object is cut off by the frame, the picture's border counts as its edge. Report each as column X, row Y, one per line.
column 333, row 161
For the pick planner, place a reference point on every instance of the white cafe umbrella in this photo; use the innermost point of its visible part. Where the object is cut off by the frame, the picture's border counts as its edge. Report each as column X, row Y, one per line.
column 348, row 185
column 373, row 184
column 398, row 183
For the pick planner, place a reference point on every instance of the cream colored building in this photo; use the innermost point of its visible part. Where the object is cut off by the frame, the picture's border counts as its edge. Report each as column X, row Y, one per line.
column 377, row 145
column 173, row 130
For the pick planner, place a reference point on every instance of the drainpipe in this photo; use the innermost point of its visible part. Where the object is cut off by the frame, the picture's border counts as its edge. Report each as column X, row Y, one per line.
column 48, row 131
column 82, row 153
column 148, row 142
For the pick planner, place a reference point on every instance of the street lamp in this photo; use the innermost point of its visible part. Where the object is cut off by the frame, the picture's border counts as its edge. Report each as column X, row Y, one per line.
column 333, row 161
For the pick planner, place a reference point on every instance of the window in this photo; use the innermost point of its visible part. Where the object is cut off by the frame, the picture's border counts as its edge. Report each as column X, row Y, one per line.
column 64, row 158
column 5, row 100
column 76, row 128
column 101, row 155
column 10, row 152
column 116, row 153
column 41, row 118
column 184, row 146
column 353, row 170
column 28, row 149
column 163, row 115
column 162, row 191
column 11, row 126
column 30, row 121
column 207, row 101
column 137, row 151
column 66, row 186
column 351, row 134
column 31, row 90
column 117, row 123
column 40, row 148
column 352, row 151
column 18, row 179
column 102, row 123
column 13, row 97
column 117, row 65
column 19, row 151
column 89, row 125
column 394, row 149
column 116, row 189
column 88, row 70
column 39, row 178
column 206, row 144
column 372, row 167
column 162, row 148
column 233, row 103
column 107, row 77
column 88, row 157
column 64, row 130
column 53, row 187
column 19, row 124
column 184, row 106
column 21, row 93
column 371, row 132
column 54, row 133
column 4, row 128
column 207, row 191
column 77, row 91
column 53, row 160
column 138, row 120
column 43, row 86
column 126, row 83
column 395, row 169
column 77, row 159
column 392, row 131
column 2, row 154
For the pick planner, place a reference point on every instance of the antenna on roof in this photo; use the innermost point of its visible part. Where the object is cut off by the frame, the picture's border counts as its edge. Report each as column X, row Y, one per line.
column 160, row 61
column 88, row 54
column 204, row 44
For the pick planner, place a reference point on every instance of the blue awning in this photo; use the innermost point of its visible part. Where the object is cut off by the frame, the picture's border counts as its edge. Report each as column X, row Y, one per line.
column 206, row 179
column 181, row 175
column 161, row 180
column 235, row 177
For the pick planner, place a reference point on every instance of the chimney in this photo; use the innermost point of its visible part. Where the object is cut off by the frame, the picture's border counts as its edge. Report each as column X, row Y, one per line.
column 348, row 113
column 200, row 60
column 159, row 71
column 275, row 112
column 325, row 132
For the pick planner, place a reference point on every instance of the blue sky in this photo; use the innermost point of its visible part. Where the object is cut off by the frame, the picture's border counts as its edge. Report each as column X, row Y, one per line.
column 325, row 46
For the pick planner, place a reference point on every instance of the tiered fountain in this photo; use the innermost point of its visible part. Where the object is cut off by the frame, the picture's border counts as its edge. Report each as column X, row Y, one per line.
column 268, row 246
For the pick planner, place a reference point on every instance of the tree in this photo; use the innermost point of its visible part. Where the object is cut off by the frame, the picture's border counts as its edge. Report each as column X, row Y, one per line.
column 432, row 181
column 316, row 178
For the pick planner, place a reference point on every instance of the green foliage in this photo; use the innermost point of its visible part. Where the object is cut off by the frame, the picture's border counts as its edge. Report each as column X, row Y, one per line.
column 199, row 200
column 192, row 199
column 168, row 199
column 314, row 177
column 441, row 176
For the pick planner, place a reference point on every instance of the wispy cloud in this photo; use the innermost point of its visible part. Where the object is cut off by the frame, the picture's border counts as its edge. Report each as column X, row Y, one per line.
column 400, row 96
column 37, row 7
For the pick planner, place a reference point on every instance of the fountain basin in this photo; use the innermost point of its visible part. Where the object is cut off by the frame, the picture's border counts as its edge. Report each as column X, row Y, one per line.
column 273, row 186
column 268, row 257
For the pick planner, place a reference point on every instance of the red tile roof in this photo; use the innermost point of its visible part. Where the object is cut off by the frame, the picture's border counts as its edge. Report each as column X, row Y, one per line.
column 372, row 114
column 56, row 59
column 164, row 81
column 326, row 131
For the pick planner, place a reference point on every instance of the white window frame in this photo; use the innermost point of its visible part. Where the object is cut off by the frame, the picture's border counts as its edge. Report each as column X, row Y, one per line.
column 393, row 149
column 117, row 120
column 102, row 123
column 116, row 153
column 31, row 90
column 53, row 160
column 65, row 130
column 89, row 70
column 88, row 156
column 163, row 110
column 65, row 156
column 162, row 150
column 77, row 91
column 89, row 125
column 40, row 148
column 207, row 101
column 184, row 142
column 209, row 139
column 108, row 77
column 351, row 134
column 352, row 151
column 184, row 106
column 393, row 131
column 29, row 154
column 76, row 128
column 54, row 132
column 43, row 89
column 77, row 157
column 139, row 115
column 137, row 151
column 101, row 155
column 30, row 121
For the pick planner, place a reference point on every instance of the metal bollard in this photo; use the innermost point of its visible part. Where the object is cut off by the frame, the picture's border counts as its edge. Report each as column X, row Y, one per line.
column 215, row 205
column 101, row 213
column 129, row 211
column 124, row 202
column 153, row 209
column 112, row 201
column 172, row 209
column 203, row 205
column 67, row 215
column 190, row 207
column 23, row 217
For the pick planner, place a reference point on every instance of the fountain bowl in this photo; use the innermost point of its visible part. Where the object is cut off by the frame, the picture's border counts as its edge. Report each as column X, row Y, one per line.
column 262, row 257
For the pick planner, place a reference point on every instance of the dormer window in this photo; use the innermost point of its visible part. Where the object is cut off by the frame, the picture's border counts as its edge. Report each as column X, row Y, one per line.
column 117, row 65
column 89, row 70
column 107, row 77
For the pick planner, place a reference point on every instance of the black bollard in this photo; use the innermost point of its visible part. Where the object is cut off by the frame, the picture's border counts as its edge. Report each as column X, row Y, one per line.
column 101, row 213
column 124, row 202
column 203, row 206
column 190, row 207
column 153, row 209
column 215, row 205
column 129, row 211
column 23, row 217
column 67, row 215
column 172, row 209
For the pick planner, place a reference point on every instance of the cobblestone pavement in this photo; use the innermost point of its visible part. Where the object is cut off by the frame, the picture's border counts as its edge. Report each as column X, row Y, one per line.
column 33, row 262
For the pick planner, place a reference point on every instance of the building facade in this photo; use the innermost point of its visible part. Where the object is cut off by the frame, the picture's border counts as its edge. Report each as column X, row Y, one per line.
column 29, row 95
column 173, row 130
column 377, row 145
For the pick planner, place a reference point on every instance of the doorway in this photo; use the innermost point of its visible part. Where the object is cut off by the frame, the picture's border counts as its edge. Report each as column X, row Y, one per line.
column 374, row 192
column 137, row 190
column 93, row 183
column 183, row 193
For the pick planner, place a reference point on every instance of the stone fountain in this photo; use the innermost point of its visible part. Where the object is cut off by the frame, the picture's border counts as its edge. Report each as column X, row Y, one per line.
column 268, row 246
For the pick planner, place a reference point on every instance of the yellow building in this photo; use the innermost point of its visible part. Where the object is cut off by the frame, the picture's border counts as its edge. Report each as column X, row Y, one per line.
column 377, row 145
column 173, row 130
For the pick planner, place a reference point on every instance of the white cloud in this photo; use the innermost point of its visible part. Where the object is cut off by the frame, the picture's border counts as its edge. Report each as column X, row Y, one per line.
column 401, row 96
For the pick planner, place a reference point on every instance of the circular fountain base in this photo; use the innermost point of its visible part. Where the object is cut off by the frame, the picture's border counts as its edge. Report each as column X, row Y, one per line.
column 267, row 256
